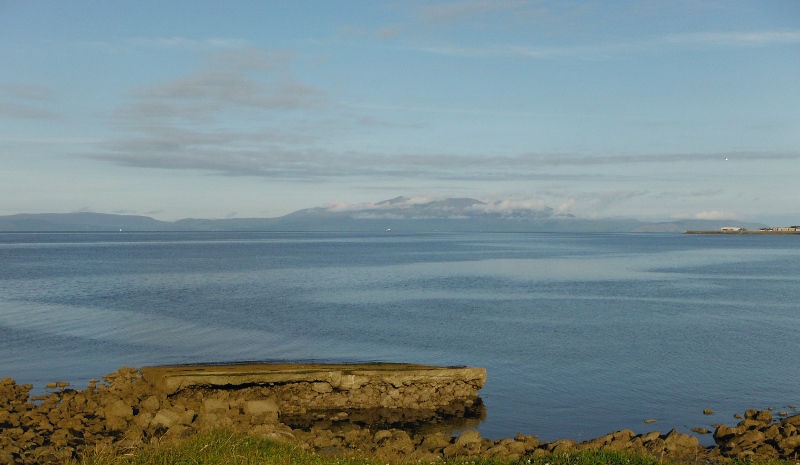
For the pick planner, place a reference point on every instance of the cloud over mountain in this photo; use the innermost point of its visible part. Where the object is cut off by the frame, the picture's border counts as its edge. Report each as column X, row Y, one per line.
column 430, row 208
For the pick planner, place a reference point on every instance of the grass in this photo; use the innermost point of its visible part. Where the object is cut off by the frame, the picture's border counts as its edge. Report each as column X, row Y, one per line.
column 217, row 448
column 226, row 448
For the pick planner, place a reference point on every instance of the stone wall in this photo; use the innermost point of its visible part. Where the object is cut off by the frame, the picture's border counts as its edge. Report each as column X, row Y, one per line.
column 309, row 407
column 299, row 388
column 169, row 403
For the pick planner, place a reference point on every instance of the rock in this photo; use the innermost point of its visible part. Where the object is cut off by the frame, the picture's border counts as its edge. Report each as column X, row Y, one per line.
column 748, row 424
column 747, row 441
column 261, row 407
column 151, row 404
column 178, row 432
column 622, row 435
column 167, row 418
column 6, row 458
column 793, row 420
column 789, row 445
column 468, row 444
column 761, row 416
column 400, row 442
column 681, row 444
column 562, row 446
column 214, row 405
column 381, row 435
column 708, row 411
column 764, row 416
column 650, row 420
column 128, row 411
column 322, row 387
column 119, row 408
column 530, row 442
column 766, row 452
column 435, row 442
column 506, row 451
column 468, row 438
column 143, row 419
column 650, row 436
column 113, row 423
column 723, row 434
column 772, row 432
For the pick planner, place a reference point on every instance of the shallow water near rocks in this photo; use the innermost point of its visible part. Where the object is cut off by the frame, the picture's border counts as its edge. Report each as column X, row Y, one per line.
column 581, row 334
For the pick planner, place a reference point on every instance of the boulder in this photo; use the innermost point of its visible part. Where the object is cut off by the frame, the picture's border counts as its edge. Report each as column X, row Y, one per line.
column 761, row 416
column 435, row 442
column 793, row 420
column 469, row 438
column 468, row 444
column 261, row 407
column 151, row 404
column 746, row 441
column 562, row 446
column 120, row 409
column 168, row 418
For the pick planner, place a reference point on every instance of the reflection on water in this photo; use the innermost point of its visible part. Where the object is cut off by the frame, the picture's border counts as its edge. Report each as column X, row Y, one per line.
column 447, row 420
column 581, row 334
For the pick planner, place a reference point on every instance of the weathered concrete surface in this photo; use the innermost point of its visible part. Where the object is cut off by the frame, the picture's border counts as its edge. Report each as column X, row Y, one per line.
column 343, row 377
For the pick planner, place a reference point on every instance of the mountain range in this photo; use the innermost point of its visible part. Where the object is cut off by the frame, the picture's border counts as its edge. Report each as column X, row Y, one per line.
column 400, row 214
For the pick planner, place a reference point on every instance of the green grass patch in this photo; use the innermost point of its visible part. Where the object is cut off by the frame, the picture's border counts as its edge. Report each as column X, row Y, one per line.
column 217, row 448
column 226, row 448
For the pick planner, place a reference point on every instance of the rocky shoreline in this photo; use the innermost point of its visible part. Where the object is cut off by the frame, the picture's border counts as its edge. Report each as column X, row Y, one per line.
column 126, row 411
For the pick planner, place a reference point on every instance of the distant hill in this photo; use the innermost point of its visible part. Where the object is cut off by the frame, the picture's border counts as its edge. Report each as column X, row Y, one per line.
column 696, row 225
column 82, row 221
column 400, row 214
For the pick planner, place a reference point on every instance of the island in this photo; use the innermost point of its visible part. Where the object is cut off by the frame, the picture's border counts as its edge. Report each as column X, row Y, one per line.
column 738, row 230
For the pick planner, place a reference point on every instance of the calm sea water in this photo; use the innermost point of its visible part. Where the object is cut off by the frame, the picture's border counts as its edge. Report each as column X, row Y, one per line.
column 581, row 334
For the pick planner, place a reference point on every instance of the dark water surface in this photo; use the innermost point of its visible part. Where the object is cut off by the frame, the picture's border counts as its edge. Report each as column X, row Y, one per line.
column 581, row 334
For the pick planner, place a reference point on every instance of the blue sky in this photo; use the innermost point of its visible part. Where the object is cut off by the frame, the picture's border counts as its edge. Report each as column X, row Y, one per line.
column 647, row 109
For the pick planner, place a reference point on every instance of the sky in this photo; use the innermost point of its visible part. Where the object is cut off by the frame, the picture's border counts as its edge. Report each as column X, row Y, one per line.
column 686, row 109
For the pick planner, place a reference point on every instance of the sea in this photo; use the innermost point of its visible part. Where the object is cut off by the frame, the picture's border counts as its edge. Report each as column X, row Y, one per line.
column 580, row 334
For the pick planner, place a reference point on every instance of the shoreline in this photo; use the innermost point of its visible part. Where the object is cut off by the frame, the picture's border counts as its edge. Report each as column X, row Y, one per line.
column 757, row 233
column 379, row 410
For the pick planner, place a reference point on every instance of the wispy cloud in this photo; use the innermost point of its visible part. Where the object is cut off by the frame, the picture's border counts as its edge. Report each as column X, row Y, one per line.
column 215, row 43
column 437, row 206
column 599, row 201
column 177, row 124
column 611, row 49
column 449, row 12
column 714, row 215
column 23, row 101
column 243, row 78
column 232, row 87
column 28, row 92
column 243, row 113
column 732, row 39
column 251, row 58
column 281, row 155
column 22, row 111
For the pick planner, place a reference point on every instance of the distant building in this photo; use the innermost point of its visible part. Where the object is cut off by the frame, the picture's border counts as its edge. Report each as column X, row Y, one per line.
column 731, row 229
